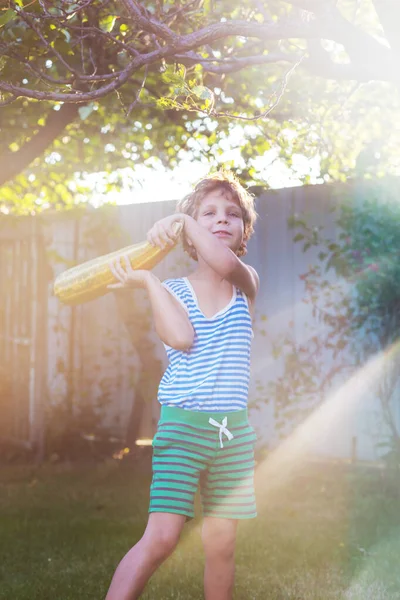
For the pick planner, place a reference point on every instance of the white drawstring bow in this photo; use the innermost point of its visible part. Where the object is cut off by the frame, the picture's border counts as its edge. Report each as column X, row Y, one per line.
column 222, row 429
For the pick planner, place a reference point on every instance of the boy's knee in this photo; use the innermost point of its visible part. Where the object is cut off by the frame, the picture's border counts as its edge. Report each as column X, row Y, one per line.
column 162, row 542
column 219, row 541
column 167, row 543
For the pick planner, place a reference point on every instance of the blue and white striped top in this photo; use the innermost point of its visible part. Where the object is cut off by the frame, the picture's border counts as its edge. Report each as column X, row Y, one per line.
column 213, row 375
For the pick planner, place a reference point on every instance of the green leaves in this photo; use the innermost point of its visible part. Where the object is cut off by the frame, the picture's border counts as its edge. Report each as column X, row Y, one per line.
column 352, row 290
column 203, row 93
column 314, row 134
column 174, row 74
column 86, row 110
column 107, row 23
column 184, row 94
column 6, row 16
column 165, row 103
column 175, row 77
column 298, row 237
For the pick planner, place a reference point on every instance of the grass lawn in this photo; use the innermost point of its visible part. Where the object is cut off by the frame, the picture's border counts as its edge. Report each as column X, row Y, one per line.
column 329, row 532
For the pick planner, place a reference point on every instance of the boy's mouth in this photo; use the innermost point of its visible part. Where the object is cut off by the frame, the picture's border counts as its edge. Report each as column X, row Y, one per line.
column 221, row 232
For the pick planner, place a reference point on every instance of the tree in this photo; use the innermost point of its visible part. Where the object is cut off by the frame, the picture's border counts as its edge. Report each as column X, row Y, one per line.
column 126, row 80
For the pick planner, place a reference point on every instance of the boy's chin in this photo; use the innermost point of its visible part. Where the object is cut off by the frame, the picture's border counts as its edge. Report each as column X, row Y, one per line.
column 229, row 243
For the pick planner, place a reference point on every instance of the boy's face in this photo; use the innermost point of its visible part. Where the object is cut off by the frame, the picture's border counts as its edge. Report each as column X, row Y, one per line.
column 221, row 214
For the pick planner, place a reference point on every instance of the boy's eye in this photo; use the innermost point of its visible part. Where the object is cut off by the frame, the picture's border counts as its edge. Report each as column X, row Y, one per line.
column 233, row 214
column 209, row 212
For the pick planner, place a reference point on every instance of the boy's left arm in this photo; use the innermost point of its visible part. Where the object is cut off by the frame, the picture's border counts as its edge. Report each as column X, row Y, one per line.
column 256, row 286
column 221, row 258
column 218, row 256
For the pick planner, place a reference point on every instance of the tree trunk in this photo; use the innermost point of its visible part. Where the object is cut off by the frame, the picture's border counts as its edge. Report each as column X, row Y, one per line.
column 14, row 163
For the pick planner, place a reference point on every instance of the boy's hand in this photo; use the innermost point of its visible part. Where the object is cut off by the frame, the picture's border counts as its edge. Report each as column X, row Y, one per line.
column 126, row 276
column 163, row 233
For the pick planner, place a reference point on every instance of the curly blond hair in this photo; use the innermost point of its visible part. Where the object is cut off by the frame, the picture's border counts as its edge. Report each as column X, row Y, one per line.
column 231, row 186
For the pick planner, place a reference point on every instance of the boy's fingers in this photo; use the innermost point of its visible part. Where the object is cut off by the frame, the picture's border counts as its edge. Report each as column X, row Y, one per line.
column 161, row 236
column 118, row 272
column 129, row 271
column 128, row 265
column 162, row 233
column 149, row 237
column 158, row 241
column 113, row 270
column 166, row 231
column 153, row 235
column 115, row 286
column 167, row 237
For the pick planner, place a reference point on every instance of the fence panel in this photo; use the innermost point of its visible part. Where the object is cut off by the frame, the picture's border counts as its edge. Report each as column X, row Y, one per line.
column 90, row 355
column 23, row 314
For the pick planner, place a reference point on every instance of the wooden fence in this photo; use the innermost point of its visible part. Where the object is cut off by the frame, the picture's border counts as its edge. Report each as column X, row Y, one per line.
column 23, row 320
column 100, row 355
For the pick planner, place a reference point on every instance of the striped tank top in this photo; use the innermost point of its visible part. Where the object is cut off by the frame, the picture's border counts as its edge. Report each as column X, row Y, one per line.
column 212, row 375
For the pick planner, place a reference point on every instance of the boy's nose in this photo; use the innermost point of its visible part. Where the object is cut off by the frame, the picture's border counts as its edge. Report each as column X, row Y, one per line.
column 223, row 219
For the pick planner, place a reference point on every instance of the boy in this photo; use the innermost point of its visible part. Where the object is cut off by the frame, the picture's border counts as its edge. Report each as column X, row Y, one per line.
column 203, row 435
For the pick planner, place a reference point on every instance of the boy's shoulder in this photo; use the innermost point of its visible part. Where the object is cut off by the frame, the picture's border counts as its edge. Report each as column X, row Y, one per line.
column 174, row 282
column 179, row 289
column 177, row 285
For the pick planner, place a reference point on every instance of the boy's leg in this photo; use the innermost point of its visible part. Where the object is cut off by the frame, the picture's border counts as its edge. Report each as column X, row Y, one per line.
column 135, row 569
column 227, row 494
column 219, row 540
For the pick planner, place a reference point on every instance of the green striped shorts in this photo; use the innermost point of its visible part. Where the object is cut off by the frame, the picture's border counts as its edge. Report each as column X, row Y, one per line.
column 212, row 449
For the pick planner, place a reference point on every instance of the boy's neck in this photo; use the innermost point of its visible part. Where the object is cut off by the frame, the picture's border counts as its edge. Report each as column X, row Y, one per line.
column 206, row 273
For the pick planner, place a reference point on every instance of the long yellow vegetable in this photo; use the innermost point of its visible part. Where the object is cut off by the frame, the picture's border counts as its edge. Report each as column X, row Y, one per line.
column 90, row 280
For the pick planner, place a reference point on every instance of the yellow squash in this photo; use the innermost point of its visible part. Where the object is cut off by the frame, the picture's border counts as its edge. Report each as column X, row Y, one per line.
column 90, row 279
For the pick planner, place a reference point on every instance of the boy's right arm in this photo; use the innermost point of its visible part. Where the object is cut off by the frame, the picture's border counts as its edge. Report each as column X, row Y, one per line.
column 171, row 321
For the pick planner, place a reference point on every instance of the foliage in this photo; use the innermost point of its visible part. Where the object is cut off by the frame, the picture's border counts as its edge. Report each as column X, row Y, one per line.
column 371, row 257
column 95, row 86
column 353, row 290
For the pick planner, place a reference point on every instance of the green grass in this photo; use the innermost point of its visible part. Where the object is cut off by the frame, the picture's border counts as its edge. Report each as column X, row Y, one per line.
column 328, row 533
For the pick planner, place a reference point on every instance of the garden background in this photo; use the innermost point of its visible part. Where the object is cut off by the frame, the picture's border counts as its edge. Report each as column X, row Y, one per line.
column 111, row 110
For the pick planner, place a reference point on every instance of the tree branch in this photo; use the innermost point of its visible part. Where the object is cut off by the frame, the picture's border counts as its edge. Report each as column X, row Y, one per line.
column 362, row 48
column 13, row 163
column 45, row 43
column 148, row 22
column 370, row 59
column 276, row 99
column 230, row 65
column 320, row 63
column 365, row 51
column 314, row 6
column 389, row 16
column 82, row 97
column 274, row 31
column 137, row 99
column 8, row 101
